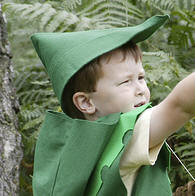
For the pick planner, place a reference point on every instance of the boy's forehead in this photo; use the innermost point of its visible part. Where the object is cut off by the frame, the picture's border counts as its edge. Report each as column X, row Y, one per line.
column 116, row 55
column 120, row 63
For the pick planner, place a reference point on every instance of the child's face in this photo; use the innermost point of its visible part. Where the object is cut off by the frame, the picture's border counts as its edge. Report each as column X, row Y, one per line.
column 122, row 87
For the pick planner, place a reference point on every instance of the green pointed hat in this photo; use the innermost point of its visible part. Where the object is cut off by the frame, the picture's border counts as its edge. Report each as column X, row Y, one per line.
column 63, row 54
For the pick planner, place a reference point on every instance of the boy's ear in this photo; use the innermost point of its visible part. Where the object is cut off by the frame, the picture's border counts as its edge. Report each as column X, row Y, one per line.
column 83, row 103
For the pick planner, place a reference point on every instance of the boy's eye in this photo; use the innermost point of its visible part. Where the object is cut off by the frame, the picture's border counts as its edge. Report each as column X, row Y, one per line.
column 124, row 82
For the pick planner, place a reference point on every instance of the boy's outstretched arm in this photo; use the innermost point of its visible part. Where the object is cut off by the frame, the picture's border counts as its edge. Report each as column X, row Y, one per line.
column 173, row 112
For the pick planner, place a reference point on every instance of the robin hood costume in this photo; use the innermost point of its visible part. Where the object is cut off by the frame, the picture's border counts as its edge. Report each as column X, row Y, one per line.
column 76, row 157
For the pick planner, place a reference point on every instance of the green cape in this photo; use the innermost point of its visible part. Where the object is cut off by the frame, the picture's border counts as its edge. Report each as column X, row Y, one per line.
column 67, row 151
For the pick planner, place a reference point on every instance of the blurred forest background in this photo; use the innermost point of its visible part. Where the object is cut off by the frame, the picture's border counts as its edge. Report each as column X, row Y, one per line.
column 169, row 55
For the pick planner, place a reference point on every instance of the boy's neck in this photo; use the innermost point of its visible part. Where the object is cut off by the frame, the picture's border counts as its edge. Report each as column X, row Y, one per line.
column 90, row 117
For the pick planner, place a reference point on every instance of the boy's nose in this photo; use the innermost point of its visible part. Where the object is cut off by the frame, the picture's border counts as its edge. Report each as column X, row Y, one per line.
column 139, row 90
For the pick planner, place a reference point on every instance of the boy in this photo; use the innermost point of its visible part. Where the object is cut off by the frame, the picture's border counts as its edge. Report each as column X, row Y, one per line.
column 99, row 80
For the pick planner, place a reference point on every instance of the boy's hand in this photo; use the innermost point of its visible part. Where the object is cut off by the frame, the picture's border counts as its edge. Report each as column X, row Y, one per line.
column 172, row 113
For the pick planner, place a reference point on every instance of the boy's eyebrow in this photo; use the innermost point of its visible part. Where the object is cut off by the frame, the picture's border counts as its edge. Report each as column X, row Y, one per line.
column 130, row 75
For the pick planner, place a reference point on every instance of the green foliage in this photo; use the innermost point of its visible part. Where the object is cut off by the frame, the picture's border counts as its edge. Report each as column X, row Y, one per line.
column 99, row 14
column 163, row 73
column 35, row 95
column 152, row 7
column 184, row 145
column 180, row 29
column 182, row 36
column 187, row 151
column 168, row 57
column 71, row 4
column 112, row 13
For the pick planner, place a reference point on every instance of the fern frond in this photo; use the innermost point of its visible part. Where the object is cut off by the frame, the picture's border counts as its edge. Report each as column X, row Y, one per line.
column 184, row 16
column 61, row 18
column 162, row 73
column 16, row 7
column 29, row 142
column 33, row 123
column 47, row 16
column 187, row 147
column 182, row 32
column 160, row 5
column 90, row 7
column 191, row 159
column 39, row 10
column 114, row 13
column 30, row 114
column 110, row 19
column 101, row 6
column 100, row 14
column 72, row 4
column 34, row 96
column 188, row 5
column 50, row 19
column 185, row 134
column 187, row 153
column 31, row 10
column 41, row 83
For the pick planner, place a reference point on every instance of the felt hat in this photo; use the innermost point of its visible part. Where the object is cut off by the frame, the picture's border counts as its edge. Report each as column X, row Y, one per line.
column 63, row 54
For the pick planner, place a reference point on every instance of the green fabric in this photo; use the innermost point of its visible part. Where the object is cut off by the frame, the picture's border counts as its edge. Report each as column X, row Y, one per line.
column 154, row 180
column 151, row 180
column 113, row 149
column 63, row 54
column 67, row 154
column 67, row 151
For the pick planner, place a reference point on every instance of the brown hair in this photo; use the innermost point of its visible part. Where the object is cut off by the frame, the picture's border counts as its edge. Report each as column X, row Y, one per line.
column 86, row 78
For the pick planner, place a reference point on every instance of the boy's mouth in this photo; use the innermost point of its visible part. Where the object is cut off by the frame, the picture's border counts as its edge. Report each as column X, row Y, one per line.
column 139, row 104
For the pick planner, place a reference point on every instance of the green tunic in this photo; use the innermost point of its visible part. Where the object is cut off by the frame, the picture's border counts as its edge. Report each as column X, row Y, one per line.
column 68, row 151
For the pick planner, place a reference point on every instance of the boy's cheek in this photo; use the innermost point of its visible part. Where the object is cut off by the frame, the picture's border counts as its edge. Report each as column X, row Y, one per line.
column 148, row 95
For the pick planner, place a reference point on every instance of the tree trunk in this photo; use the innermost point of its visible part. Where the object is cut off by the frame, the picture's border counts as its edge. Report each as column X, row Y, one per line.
column 10, row 139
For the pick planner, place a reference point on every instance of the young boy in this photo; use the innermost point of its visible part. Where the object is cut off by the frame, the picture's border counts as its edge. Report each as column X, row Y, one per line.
column 101, row 145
